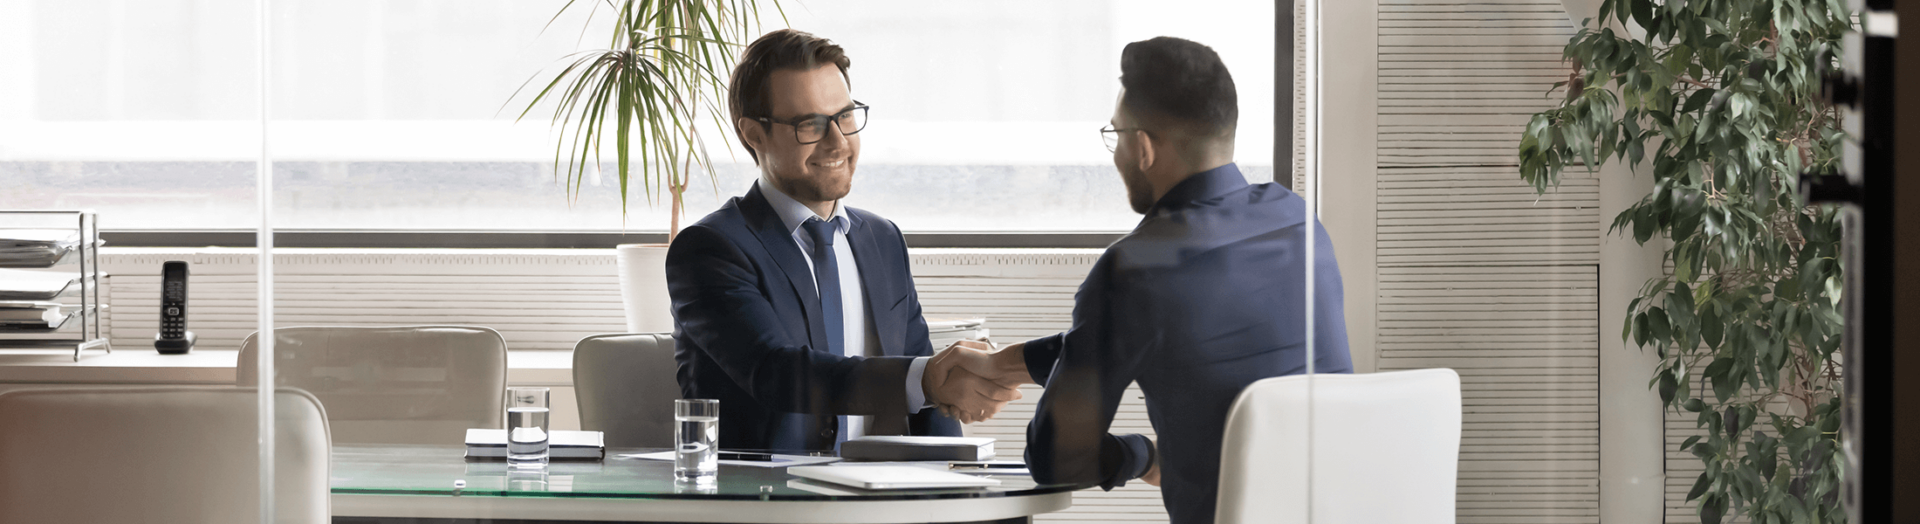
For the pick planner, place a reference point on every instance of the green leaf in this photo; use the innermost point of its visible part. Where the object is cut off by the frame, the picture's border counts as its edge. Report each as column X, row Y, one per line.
column 1711, row 327
column 1694, row 405
column 1699, row 487
column 1660, row 330
column 1640, row 330
column 1698, row 100
column 1713, row 509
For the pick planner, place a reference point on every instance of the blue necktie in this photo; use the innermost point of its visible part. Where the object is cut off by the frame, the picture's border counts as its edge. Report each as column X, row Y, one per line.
column 826, row 275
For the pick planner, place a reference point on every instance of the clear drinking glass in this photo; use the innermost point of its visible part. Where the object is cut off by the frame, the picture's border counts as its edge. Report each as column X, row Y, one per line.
column 696, row 437
column 527, row 410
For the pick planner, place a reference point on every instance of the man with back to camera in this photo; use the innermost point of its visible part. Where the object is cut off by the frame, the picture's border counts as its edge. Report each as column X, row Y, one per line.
column 1203, row 298
column 800, row 314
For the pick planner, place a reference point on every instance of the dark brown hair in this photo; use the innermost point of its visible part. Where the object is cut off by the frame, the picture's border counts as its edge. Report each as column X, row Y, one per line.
column 1179, row 82
column 748, row 93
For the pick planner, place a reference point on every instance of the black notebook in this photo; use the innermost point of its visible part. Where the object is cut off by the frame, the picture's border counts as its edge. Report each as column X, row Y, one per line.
column 877, row 448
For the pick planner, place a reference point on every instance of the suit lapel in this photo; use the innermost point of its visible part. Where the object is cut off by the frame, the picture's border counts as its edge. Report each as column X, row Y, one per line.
column 872, row 278
column 773, row 235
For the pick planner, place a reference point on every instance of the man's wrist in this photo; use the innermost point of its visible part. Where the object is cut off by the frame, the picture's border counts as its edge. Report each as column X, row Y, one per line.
column 1012, row 361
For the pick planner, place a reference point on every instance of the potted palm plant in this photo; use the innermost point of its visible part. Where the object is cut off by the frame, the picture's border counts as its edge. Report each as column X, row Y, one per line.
column 664, row 70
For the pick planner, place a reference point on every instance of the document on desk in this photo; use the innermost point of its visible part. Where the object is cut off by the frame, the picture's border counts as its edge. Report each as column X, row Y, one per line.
column 986, row 468
column 891, row 477
column 779, row 461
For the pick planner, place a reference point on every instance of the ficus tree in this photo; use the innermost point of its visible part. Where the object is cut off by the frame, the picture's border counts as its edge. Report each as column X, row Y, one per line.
column 1721, row 97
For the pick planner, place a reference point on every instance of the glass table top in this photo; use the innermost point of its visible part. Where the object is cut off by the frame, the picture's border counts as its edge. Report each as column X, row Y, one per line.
column 434, row 470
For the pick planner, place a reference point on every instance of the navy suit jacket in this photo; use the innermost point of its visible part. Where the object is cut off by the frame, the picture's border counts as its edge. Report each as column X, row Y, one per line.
column 748, row 331
column 1204, row 297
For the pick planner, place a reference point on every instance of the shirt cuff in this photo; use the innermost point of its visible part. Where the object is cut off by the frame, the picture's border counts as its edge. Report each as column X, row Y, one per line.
column 916, row 393
column 1040, row 355
column 1131, row 456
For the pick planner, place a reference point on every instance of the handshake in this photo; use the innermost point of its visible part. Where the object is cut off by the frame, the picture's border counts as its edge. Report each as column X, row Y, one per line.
column 970, row 381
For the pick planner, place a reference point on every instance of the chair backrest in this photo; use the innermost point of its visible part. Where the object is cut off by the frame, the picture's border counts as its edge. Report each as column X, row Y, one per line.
column 166, row 455
column 1385, row 448
column 392, row 385
column 625, row 386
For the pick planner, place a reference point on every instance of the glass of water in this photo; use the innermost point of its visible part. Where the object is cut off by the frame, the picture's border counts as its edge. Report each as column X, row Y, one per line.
column 527, row 410
column 696, row 437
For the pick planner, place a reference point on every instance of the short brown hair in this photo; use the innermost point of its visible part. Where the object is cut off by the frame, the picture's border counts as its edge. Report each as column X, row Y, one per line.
column 747, row 93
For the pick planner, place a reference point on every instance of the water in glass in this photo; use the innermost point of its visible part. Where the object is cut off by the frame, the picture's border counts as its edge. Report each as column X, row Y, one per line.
column 527, row 437
column 696, row 440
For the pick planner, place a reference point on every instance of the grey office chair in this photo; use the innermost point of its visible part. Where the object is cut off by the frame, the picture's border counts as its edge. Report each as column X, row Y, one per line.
column 168, row 455
column 392, row 385
column 625, row 385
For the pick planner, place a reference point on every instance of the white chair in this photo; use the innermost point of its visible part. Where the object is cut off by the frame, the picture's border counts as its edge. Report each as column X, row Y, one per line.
column 165, row 455
column 1385, row 448
column 392, row 385
column 625, row 386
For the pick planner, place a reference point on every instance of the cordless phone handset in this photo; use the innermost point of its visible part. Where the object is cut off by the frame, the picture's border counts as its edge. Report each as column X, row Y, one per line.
column 173, row 338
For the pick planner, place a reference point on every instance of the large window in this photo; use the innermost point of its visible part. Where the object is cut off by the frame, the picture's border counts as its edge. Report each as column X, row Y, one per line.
column 397, row 114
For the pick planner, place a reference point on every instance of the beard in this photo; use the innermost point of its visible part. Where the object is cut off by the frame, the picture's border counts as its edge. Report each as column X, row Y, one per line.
column 824, row 189
column 822, row 186
column 1139, row 195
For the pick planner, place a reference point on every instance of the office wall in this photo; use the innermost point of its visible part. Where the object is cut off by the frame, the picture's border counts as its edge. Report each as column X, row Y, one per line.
column 1452, row 261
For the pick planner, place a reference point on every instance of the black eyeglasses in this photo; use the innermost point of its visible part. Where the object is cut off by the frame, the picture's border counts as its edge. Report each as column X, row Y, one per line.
column 1111, row 135
column 813, row 128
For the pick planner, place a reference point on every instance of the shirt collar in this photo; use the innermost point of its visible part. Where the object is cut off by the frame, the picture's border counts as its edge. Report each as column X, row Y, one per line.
column 793, row 213
column 1203, row 185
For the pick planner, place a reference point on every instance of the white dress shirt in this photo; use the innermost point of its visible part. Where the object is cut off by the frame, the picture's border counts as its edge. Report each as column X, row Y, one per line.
column 860, row 337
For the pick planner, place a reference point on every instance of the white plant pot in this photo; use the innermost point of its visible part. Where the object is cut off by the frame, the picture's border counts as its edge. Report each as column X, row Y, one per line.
column 643, row 287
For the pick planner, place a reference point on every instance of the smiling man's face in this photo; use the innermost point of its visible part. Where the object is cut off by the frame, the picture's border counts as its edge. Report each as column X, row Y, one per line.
column 817, row 172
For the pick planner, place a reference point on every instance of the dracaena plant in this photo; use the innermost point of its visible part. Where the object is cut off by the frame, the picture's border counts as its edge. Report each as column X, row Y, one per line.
column 1722, row 97
column 664, row 69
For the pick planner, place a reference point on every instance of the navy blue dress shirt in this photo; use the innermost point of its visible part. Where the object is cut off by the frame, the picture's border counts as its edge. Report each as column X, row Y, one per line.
column 1204, row 297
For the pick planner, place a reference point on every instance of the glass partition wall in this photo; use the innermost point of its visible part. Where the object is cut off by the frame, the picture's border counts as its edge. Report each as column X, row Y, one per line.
column 408, row 116
column 1462, row 282
column 1412, row 241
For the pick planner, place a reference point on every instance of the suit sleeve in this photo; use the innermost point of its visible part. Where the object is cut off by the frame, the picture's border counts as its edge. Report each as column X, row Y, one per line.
column 719, row 305
column 1093, row 362
column 926, row 421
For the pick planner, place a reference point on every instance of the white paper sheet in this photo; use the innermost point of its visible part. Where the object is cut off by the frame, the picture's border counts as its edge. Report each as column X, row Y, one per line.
column 779, row 461
column 943, row 465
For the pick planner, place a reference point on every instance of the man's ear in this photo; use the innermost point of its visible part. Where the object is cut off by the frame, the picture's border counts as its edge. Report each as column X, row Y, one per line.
column 755, row 135
column 1145, row 156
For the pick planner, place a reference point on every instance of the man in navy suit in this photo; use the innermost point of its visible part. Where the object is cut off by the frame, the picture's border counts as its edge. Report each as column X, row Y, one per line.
column 797, row 313
column 1207, row 295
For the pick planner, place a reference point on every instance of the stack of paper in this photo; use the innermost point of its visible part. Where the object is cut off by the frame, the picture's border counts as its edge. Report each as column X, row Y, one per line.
column 30, row 315
column 36, row 247
column 561, row 444
column 34, row 285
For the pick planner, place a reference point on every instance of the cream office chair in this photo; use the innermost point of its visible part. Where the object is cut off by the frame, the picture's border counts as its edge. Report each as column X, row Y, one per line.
column 185, row 455
column 1386, row 448
column 625, row 385
column 393, row 385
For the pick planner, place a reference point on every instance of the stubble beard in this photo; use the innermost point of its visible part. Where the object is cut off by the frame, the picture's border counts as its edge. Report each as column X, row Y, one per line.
column 824, row 188
column 1138, row 194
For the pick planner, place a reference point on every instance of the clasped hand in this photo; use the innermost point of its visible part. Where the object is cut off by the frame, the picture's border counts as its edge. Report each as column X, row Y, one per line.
column 971, row 382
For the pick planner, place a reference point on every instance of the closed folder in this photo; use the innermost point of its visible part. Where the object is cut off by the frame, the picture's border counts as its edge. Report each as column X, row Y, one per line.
column 881, row 448
column 561, row 444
